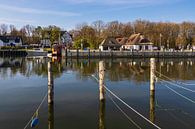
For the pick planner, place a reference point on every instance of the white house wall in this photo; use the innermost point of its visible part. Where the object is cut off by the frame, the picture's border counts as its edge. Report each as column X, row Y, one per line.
column 137, row 47
column 101, row 48
column 1, row 43
column 13, row 41
column 131, row 47
column 66, row 38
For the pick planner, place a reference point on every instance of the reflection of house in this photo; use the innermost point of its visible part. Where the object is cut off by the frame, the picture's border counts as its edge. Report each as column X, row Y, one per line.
column 109, row 44
column 138, row 42
column 10, row 63
column 10, row 41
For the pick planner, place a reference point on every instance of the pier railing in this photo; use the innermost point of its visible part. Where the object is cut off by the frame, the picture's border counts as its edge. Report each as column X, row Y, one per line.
column 13, row 53
column 126, row 54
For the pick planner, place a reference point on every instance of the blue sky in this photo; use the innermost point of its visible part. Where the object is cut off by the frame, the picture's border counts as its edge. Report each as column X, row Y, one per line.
column 68, row 13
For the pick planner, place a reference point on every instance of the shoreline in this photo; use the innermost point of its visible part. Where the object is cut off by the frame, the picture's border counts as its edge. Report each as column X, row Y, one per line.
column 126, row 54
column 101, row 54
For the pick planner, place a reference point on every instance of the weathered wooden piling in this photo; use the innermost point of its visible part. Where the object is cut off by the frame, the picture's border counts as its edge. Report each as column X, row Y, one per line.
column 101, row 96
column 50, row 97
column 152, row 74
column 152, row 89
column 50, row 83
column 101, row 80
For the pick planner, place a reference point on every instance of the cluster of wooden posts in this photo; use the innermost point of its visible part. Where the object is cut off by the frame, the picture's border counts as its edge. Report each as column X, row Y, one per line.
column 102, row 92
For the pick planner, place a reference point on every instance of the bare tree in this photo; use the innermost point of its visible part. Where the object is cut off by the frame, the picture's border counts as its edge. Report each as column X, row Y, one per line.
column 13, row 30
column 98, row 26
column 4, row 29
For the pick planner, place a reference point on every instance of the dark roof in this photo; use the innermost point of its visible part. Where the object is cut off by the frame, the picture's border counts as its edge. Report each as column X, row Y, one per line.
column 6, row 39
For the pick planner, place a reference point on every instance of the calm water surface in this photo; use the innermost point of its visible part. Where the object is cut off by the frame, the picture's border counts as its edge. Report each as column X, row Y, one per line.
column 76, row 103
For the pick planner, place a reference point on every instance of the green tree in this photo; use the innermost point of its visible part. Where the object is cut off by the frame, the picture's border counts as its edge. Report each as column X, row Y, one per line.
column 54, row 33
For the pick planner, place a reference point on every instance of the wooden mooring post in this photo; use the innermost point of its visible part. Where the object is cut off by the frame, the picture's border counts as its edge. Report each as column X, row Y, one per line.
column 152, row 89
column 101, row 96
column 50, row 83
column 50, row 96
column 101, row 80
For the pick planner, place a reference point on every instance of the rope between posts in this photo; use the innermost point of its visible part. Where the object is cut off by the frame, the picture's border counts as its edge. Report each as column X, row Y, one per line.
column 128, row 105
column 36, row 110
column 124, row 113
column 174, row 80
column 190, row 100
column 177, row 85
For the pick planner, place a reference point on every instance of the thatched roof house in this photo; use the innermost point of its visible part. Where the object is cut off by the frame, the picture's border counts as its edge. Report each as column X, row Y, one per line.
column 109, row 44
column 138, row 39
column 138, row 42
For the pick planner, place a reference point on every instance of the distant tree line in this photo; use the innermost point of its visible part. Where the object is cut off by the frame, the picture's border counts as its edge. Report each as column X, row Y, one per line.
column 167, row 34
column 31, row 34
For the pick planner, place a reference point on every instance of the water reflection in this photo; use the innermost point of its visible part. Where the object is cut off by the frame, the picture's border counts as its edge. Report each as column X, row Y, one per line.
column 152, row 106
column 72, row 91
column 117, row 70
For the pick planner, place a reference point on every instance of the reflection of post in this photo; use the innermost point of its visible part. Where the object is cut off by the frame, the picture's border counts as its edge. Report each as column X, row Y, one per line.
column 152, row 106
column 50, row 116
column 152, row 89
column 101, row 96
column 50, row 97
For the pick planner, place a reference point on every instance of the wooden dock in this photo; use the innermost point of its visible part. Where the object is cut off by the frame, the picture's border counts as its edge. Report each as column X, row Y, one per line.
column 102, row 54
column 126, row 54
column 13, row 53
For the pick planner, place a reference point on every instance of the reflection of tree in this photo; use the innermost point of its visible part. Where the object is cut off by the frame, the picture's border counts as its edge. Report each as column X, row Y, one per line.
column 116, row 70
column 127, row 71
column 84, row 68
column 134, row 70
column 28, row 67
column 178, row 69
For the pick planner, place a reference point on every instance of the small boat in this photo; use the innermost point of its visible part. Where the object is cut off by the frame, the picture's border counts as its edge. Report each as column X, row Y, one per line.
column 49, row 55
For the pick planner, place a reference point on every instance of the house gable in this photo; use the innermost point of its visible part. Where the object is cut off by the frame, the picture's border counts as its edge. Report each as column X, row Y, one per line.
column 138, row 39
column 110, row 42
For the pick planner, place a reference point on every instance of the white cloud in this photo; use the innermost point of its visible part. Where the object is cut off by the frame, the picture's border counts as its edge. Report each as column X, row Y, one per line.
column 36, row 11
column 120, row 2
column 14, row 21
